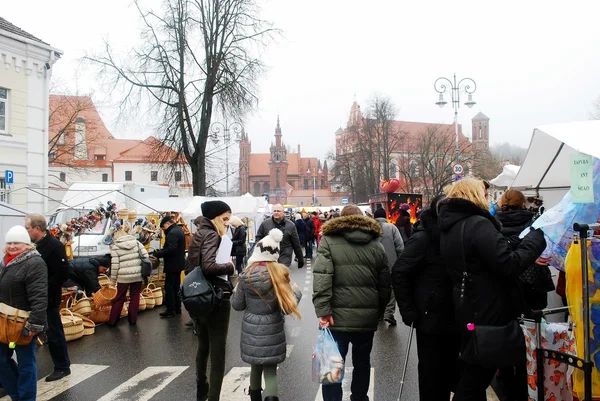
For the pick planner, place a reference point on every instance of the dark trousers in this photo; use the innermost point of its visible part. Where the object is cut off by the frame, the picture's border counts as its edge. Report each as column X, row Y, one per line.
column 19, row 381
column 134, row 302
column 362, row 343
column 473, row 383
column 239, row 263
column 172, row 284
column 438, row 358
column 309, row 248
column 57, row 344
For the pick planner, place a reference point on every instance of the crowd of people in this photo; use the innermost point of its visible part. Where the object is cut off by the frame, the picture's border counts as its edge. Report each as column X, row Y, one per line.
column 457, row 268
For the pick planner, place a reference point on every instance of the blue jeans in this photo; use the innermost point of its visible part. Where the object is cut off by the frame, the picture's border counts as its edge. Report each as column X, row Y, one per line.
column 57, row 344
column 19, row 381
column 309, row 248
column 362, row 343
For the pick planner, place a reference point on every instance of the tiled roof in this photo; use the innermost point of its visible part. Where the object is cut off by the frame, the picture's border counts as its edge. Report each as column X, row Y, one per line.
column 143, row 150
column 314, row 165
column 480, row 116
column 293, row 163
column 259, row 164
column 7, row 26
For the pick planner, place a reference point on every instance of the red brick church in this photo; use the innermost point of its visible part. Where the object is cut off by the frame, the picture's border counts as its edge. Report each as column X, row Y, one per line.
column 288, row 178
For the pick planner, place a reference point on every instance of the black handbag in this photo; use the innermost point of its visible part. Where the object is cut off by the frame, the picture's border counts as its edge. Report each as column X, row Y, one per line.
column 199, row 296
column 491, row 346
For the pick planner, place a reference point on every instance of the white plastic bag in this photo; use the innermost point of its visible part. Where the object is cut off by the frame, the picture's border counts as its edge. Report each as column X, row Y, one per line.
column 327, row 362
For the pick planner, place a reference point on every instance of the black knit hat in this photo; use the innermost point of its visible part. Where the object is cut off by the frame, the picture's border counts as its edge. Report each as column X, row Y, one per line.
column 165, row 219
column 379, row 213
column 212, row 209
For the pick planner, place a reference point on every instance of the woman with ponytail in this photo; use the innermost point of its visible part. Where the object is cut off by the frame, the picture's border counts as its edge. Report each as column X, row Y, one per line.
column 265, row 295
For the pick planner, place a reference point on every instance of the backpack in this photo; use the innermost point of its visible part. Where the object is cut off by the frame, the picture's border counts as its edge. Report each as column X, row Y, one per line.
column 200, row 298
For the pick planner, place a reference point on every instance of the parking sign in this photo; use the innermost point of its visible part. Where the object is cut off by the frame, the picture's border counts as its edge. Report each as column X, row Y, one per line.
column 9, row 176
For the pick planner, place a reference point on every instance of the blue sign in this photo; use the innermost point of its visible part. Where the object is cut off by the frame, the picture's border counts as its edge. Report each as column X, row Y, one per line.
column 344, row 201
column 9, row 176
column 457, row 178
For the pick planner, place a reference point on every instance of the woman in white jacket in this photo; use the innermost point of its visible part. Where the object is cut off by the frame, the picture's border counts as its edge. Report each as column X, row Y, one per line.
column 126, row 269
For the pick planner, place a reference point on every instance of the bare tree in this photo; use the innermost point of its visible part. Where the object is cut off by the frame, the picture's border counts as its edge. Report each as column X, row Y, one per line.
column 194, row 55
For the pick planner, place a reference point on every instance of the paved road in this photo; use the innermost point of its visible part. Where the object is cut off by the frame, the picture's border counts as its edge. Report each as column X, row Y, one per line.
column 155, row 360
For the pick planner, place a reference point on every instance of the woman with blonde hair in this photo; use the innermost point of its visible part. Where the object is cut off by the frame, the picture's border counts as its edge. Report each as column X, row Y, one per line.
column 212, row 329
column 265, row 294
column 484, row 269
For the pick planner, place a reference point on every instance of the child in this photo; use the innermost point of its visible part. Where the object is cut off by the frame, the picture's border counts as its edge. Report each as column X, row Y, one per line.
column 265, row 294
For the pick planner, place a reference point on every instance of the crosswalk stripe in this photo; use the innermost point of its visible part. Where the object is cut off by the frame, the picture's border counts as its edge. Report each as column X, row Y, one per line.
column 234, row 383
column 79, row 372
column 288, row 350
column 137, row 388
column 346, row 386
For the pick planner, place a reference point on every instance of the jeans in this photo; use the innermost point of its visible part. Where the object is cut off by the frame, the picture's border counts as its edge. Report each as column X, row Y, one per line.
column 57, row 344
column 362, row 343
column 309, row 248
column 212, row 343
column 134, row 303
column 172, row 284
column 19, row 380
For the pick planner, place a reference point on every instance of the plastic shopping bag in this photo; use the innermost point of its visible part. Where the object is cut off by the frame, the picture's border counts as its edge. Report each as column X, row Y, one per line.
column 327, row 362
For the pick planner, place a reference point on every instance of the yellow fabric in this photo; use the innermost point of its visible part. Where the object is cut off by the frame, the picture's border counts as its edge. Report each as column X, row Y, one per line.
column 575, row 300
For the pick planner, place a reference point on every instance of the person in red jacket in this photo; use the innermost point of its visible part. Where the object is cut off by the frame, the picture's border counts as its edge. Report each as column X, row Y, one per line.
column 318, row 225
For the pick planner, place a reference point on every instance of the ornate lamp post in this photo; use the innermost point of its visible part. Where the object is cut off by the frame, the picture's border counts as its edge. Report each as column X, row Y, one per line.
column 444, row 85
column 314, row 185
column 222, row 131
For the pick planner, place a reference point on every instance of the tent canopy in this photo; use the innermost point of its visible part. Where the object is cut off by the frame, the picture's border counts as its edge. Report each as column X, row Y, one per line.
column 504, row 179
column 546, row 166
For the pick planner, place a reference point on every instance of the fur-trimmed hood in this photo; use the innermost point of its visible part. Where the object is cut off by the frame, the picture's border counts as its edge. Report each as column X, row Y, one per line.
column 453, row 210
column 354, row 228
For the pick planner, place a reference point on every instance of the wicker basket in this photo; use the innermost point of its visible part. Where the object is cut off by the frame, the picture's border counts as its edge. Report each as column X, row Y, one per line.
column 89, row 327
column 125, row 309
column 142, row 303
column 158, row 280
column 105, row 295
column 101, row 314
column 156, row 293
column 123, row 213
column 12, row 321
column 132, row 216
column 149, row 299
column 83, row 306
column 103, row 280
column 72, row 325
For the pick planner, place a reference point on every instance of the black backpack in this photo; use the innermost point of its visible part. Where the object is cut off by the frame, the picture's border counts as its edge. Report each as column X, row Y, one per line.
column 198, row 295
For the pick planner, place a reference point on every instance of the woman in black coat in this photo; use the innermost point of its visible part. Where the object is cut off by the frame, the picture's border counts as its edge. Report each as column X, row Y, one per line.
column 474, row 248
column 424, row 294
column 238, row 239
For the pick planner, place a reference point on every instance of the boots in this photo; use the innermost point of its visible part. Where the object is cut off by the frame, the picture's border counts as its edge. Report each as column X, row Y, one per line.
column 255, row 395
column 272, row 398
column 201, row 391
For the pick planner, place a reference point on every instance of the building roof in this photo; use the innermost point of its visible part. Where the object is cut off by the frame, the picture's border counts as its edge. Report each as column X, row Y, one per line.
column 143, row 151
column 9, row 27
column 259, row 164
column 480, row 116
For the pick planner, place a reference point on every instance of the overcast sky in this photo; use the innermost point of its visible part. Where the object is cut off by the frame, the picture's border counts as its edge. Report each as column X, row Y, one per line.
column 535, row 62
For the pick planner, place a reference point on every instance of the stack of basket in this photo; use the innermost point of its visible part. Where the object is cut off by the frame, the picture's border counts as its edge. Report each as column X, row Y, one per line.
column 148, row 297
column 89, row 327
column 72, row 325
column 157, row 293
column 102, row 303
column 82, row 306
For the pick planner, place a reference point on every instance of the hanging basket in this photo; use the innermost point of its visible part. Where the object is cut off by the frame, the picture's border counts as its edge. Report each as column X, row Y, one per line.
column 72, row 325
column 82, row 306
column 105, row 295
column 142, row 303
column 149, row 298
column 156, row 293
column 123, row 213
column 132, row 216
column 103, row 280
column 89, row 327
column 101, row 314
column 12, row 321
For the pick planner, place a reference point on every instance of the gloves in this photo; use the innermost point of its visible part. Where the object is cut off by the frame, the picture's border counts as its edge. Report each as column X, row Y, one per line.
column 300, row 263
column 410, row 318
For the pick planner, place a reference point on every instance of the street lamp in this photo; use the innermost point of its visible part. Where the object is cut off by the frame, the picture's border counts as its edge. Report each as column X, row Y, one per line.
column 465, row 85
column 218, row 129
column 314, row 185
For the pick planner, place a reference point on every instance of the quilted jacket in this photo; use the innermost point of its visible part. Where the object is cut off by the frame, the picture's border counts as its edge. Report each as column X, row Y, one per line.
column 126, row 260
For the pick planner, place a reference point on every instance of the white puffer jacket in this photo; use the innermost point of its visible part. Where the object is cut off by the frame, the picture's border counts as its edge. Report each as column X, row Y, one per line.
column 126, row 260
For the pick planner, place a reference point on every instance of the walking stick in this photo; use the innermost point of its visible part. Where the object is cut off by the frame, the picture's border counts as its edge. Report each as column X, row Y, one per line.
column 410, row 336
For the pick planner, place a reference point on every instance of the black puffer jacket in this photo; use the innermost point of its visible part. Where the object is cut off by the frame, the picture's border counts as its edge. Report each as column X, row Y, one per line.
column 203, row 252
column 290, row 242
column 239, row 241
column 84, row 272
column 422, row 286
column 24, row 285
column 55, row 257
column 173, row 253
column 492, row 265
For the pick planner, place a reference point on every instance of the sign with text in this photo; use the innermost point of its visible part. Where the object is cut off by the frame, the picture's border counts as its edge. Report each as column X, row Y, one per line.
column 582, row 178
column 9, row 176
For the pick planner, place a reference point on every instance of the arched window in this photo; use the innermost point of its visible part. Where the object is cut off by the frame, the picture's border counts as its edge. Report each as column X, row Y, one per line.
column 413, row 168
column 257, row 189
column 266, row 188
column 277, row 181
column 393, row 170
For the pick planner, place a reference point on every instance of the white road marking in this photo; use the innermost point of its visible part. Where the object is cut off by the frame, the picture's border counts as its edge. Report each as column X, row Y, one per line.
column 307, row 282
column 288, row 350
column 48, row 390
column 346, row 386
column 234, row 383
column 137, row 387
column 305, row 288
column 295, row 331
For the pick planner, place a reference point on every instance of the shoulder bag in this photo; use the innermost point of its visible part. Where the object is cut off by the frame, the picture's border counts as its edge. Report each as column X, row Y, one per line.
column 491, row 346
column 146, row 265
column 200, row 298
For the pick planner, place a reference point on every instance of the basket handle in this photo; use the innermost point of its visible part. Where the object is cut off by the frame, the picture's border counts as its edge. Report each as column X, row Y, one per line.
column 72, row 301
column 69, row 312
column 151, row 288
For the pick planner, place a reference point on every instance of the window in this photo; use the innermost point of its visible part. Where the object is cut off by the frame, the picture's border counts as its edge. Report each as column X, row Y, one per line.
column 100, row 157
column 61, row 138
column 3, row 194
column 3, row 111
column 154, row 176
column 393, row 170
column 105, row 177
column 177, row 176
column 128, row 176
column 266, row 188
column 323, row 183
column 305, row 183
column 257, row 189
column 277, row 181
column 51, row 156
column 63, row 177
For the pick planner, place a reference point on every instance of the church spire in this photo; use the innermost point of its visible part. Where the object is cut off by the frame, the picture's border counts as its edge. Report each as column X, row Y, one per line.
column 278, row 134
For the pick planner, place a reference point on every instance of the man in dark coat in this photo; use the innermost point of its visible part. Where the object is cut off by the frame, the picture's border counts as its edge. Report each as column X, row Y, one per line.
column 84, row 272
column 310, row 234
column 173, row 254
column 290, row 242
column 53, row 253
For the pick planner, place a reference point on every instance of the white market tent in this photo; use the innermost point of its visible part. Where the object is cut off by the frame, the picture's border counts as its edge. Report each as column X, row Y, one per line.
column 9, row 216
column 504, row 179
column 546, row 166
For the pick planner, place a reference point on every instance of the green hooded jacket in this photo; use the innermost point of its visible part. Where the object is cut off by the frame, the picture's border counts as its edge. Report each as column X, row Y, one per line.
column 351, row 277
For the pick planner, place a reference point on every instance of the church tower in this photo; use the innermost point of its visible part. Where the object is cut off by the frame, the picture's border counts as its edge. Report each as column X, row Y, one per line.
column 278, row 169
column 245, row 150
column 481, row 132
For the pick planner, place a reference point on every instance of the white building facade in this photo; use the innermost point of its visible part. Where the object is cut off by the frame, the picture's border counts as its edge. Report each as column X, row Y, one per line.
column 25, row 71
